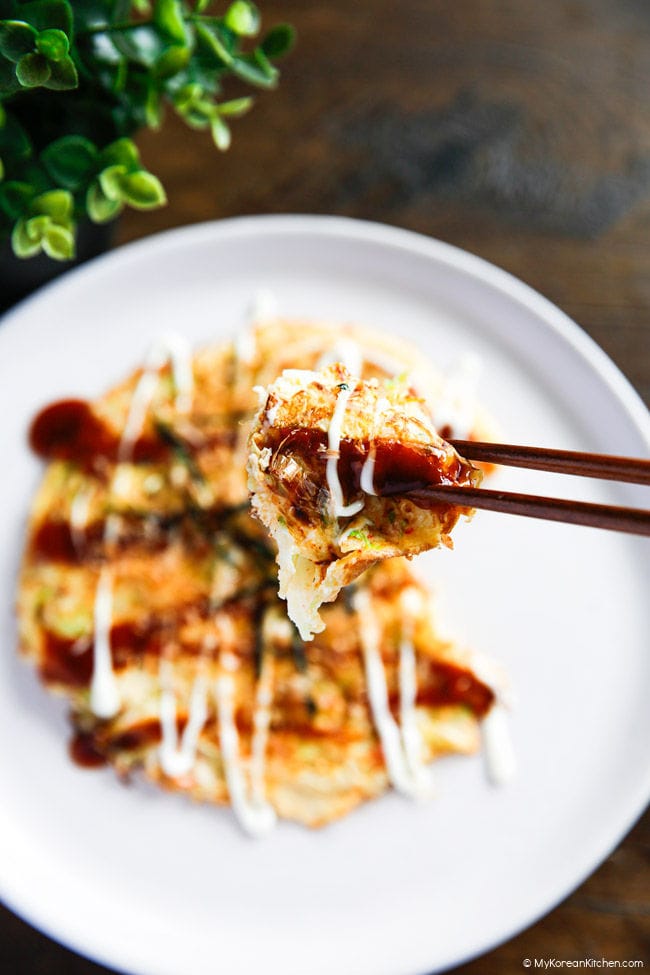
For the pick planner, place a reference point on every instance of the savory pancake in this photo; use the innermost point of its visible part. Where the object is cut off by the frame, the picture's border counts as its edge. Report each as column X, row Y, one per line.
column 148, row 597
column 338, row 472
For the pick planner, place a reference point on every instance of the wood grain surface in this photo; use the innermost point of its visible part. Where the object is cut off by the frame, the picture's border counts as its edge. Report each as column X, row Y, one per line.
column 516, row 129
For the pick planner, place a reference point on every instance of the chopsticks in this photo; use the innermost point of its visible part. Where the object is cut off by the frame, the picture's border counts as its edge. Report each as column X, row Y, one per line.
column 634, row 470
column 612, row 517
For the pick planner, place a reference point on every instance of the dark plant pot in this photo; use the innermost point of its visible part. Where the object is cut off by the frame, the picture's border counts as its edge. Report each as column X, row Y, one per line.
column 18, row 278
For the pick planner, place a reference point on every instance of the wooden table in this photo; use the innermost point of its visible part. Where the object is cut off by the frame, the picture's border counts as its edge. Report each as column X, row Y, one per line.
column 517, row 129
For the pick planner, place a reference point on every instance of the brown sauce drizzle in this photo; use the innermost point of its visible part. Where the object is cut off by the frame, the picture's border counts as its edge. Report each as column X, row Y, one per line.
column 139, row 736
column 65, row 660
column 53, row 540
column 447, row 684
column 400, row 468
column 84, row 752
column 70, row 430
column 69, row 660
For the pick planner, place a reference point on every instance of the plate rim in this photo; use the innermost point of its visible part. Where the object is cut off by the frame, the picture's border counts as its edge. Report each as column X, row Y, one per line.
column 441, row 253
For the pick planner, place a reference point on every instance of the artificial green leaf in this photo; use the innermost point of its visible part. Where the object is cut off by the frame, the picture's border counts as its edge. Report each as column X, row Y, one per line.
column 100, row 209
column 53, row 43
column 58, row 243
column 121, row 73
column 56, row 204
column 122, row 152
column 63, row 75
column 141, row 6
column 70, row 160
column 3, row 116
column 278, row 41
column 110, row 180
column 196, row 110
column 143, row 190
column 16, row 39
column 13, row 140
column 200, row 6
column 33, row 70
column 203, row 71
column 196, row 119
column 236, row 107
column 168, row 15
column 142, row 44
column 21, row 242
column 2, row 170
column 8, row 80
column 153, row 108
column 209, row 35
column 207, row 108
column 256, row 69
column 36, row 226
column 260, row 59
column 101, row 49
column 187, row 96
column 43, row 14
column 242, row 18
column 172, row 60
column 220, row 133
column 15, row 198
column 35, row 176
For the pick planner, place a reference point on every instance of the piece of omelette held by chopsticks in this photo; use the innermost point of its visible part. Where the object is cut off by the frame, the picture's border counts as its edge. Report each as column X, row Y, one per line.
column 338, row 471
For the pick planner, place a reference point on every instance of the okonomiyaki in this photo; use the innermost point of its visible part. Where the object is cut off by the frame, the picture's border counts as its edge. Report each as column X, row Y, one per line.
column 338, row 472
column 148, row 598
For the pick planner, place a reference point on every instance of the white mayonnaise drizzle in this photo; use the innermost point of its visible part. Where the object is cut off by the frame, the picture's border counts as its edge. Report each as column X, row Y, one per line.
column 256, row 817
column 112, row 528
column 367, row 482
column 500, row 759
column 368, row 470
column 412, row 743
column 175, row 759
column 339, row 509
column 104, row 697
column 173, row 348
column 244, row 346
column 382, row 361
column 79, row 515
column 261, row 725
column 263, row 308
column 498, row 749
column 390, row 735
column 348, row 353
column 122, row 481
column 456, row 405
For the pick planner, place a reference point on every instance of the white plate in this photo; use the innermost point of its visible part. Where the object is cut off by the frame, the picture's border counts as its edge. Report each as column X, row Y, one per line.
column 154, row 885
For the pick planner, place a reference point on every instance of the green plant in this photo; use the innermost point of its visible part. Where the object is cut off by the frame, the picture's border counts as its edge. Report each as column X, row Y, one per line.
column 78, row 79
